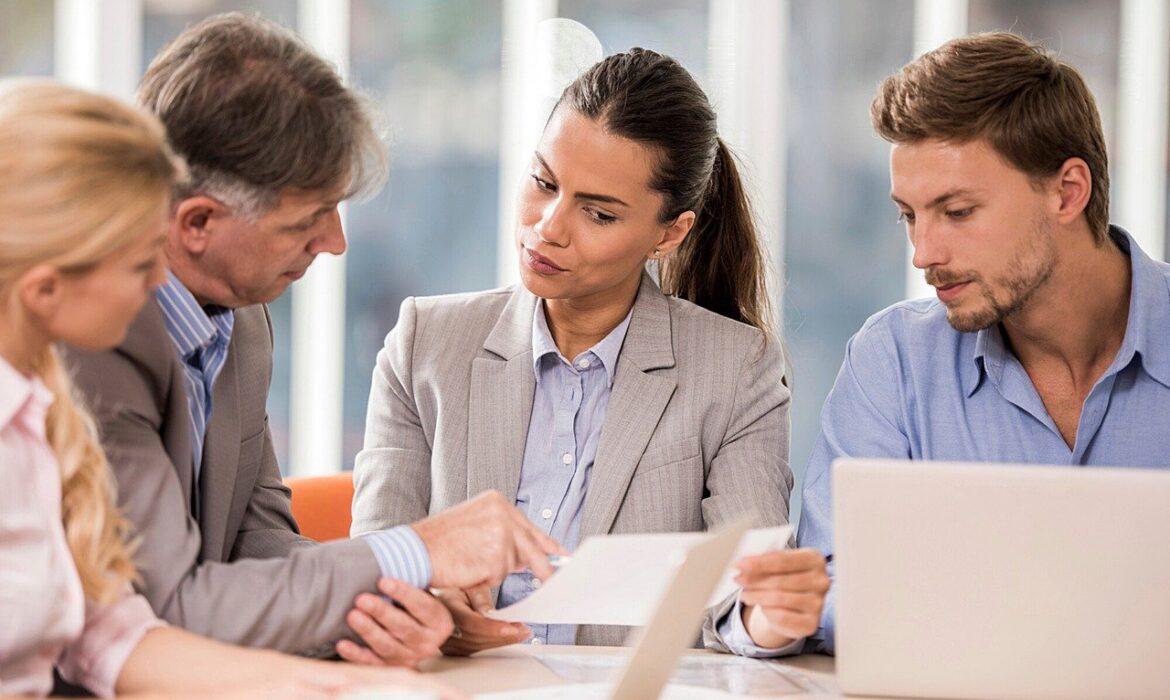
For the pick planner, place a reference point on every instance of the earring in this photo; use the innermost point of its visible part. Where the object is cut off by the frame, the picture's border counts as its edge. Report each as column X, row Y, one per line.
column 657, row 254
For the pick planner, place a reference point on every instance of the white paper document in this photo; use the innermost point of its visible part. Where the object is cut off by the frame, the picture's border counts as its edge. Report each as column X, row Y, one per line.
column 619, row 579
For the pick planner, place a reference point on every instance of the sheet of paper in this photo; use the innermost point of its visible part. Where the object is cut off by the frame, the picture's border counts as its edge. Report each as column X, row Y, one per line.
column 618, row 579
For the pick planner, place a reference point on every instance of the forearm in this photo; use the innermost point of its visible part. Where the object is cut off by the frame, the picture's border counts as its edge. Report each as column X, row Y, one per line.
column 170, row 660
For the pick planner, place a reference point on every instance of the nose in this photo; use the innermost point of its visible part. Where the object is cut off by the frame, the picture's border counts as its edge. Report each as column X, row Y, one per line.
column 331, row 238
column 550, row 228
column 929, row 250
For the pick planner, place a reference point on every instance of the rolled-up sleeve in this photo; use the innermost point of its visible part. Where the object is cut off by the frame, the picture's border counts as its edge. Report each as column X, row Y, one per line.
column 95, row 659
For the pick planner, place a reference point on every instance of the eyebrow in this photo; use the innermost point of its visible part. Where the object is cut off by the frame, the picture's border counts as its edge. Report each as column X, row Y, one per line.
column 937, row 201
column 609, row 199
column 305, row 220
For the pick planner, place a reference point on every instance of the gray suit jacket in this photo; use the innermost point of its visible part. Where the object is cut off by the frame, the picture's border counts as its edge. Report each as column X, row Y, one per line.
column 696, row 431
column 222, row 558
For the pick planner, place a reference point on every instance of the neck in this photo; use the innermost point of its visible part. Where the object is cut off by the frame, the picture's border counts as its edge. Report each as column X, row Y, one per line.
column 20, row 343
column 202, row 286
column 1079, row 318
column 579, row 324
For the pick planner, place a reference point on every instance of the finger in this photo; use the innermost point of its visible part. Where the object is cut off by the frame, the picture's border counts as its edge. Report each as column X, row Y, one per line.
column 794, row 601
column 785, row 561
column 434, row 622
column 791, row 624
column 807, row 581
column 544, row 542
column 357, row 654
column 389, row 649
column 480, row 598
column 529, row 554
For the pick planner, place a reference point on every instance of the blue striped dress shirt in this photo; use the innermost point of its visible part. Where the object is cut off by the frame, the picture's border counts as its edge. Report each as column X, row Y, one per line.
column 568, row 410
column 202, row 335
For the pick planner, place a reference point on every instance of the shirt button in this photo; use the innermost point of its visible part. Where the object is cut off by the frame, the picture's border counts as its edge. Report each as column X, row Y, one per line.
column 536, row 583
column 537, row 641
column 584, row 364
column 546, row 513
column 567, row 458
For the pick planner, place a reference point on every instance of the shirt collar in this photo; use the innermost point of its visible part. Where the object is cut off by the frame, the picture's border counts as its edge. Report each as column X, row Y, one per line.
column 1149, row 313
column 192, row 327
column 606, row 350
column 21, row 395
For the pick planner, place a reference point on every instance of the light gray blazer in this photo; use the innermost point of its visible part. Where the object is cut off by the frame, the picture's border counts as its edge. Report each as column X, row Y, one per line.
column 696, row 431
column 235, row 568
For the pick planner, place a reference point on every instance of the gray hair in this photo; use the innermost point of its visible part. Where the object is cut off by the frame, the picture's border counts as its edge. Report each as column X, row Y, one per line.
column 255, row 112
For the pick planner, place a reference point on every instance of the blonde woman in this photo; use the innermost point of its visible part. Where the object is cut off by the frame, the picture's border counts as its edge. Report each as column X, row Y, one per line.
column 84, row 187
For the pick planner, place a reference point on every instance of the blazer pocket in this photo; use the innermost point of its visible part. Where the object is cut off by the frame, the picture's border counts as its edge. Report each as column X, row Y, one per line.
column 667, row 455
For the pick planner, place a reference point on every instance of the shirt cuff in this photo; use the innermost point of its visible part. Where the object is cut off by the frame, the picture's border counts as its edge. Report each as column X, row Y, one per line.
column 401, row 554
column 737, row 639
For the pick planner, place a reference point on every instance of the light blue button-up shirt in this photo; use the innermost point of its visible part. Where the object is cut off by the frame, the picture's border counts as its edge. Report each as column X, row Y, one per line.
column 202, row 336
column 912, row 387
column 568, row 410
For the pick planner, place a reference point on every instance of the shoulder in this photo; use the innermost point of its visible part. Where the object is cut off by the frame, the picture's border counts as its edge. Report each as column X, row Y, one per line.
column 705, row 338
column 457, row 307
column 910, row 340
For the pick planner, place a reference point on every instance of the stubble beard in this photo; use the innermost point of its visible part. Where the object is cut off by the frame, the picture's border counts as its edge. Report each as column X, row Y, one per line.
column 1028, row 271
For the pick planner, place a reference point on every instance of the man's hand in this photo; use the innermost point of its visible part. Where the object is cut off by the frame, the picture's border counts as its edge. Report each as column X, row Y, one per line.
column 783, row 594
column 480, row 541
column 396, row 636
column 473, row 631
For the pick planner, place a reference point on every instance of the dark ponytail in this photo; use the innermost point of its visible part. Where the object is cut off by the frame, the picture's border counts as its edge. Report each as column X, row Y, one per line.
column 651, row 99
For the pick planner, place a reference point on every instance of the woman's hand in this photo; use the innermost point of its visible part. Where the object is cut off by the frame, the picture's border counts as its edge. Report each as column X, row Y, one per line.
column 783, row 595
column 473, row 631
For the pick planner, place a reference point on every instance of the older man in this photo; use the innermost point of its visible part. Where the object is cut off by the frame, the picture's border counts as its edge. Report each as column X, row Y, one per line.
column 274, row 142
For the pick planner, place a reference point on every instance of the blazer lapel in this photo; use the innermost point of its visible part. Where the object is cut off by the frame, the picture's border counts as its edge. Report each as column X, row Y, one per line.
column 500, row 401
column 149, row 343
column 221, row 458
column 641, row 391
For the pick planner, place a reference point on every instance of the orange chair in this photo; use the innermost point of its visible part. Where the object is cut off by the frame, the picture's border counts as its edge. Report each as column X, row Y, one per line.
column 321, row 505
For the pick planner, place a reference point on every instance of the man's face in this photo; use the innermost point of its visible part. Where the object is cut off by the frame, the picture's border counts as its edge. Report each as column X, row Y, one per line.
column 979, row 227
column 254, row 261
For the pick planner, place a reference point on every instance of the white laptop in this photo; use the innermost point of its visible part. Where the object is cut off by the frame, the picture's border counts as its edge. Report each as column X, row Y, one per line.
column 1001, row 581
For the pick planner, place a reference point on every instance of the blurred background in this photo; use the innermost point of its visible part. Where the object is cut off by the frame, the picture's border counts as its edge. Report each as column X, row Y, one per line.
column 459, row 84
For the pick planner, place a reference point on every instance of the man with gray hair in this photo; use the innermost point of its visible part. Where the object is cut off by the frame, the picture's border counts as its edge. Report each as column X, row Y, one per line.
column 274, row 142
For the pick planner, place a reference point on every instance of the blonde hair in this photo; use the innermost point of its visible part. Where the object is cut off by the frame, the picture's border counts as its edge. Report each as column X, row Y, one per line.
column 81, row 177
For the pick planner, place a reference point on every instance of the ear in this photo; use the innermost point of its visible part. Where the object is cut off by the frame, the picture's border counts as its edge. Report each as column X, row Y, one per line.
column 1074, row 185
column 40, row 290
column 195, row 220
column 674, row 235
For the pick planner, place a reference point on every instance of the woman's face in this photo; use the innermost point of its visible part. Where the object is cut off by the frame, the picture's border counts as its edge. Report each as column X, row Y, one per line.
column 95, row 308
column 588, row 219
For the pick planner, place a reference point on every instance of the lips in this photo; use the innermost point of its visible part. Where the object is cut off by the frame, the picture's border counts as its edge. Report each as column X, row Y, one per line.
column 948, row 293
column 538, row 263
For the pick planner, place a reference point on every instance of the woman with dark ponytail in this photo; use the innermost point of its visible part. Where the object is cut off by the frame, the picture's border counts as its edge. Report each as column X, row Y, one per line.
column 596, row 400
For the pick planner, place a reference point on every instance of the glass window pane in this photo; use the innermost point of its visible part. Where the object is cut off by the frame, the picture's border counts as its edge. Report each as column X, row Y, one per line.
column 1083, row 32
column 677, row 29
column 845, row 255
column 434, row 68
column 162, row 22
column 26, row 37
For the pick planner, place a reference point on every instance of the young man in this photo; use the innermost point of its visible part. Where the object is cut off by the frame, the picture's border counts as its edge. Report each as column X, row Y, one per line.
column 1046, row 343
column 274, row 142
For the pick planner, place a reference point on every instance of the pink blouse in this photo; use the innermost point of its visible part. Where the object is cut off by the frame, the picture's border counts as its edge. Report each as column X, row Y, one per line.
column 45, row 620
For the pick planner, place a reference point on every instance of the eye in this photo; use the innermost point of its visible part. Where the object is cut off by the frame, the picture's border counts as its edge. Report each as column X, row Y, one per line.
column 600, row 217
column 905, row 217
column 960, row 213
column 543, row 184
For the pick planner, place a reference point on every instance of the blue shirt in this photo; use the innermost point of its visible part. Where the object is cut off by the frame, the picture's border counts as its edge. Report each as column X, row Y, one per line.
column 912, row 387
column 568, row 410
column 202, row 335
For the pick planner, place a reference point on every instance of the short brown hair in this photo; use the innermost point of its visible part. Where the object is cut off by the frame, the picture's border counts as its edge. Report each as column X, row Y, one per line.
column 1034, row 109
column 254, row 112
